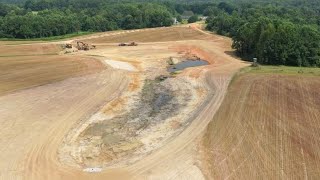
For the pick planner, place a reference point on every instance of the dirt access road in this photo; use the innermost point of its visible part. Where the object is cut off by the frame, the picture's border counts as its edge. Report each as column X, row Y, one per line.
column 36, row 122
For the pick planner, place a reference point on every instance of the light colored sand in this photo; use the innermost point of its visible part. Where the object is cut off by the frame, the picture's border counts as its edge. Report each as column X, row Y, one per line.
column 120, row 65
column 34, row 122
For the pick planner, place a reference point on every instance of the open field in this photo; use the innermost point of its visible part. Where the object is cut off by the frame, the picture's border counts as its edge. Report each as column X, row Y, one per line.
column 29, row 50
column 106, row 109
column 152, row 35
column 22, row 72
column 267, row 127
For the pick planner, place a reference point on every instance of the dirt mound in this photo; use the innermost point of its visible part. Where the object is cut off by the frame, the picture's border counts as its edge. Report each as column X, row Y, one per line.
column 192, row 51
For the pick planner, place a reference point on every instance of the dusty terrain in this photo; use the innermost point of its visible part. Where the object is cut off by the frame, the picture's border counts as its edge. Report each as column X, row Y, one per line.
column 22, row 72
column 105, row 113
column 29, row 50
column 151, row 35
column 267, row 128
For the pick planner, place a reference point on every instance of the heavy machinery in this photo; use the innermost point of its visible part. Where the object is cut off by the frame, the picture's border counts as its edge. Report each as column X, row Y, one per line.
column 133, row 44
column 129, row 44
column 68, row 45
column 122, row 44
column 82, row 46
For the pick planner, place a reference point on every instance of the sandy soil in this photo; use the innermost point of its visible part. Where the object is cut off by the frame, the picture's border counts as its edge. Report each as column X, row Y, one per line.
column 23, row 72
column 37, row 122
column 151, row 35
column 267, row 128
column 29, row 50
column 120, row 65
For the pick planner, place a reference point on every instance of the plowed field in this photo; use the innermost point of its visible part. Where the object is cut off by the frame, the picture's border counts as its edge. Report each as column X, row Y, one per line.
column 268, row 127
column 22, row 72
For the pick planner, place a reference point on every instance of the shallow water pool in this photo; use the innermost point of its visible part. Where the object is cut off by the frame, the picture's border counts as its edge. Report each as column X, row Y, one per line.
column 186, row 64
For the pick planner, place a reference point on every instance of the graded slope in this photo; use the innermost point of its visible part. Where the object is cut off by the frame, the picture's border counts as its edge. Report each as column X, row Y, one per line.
column 268, row 127
column 151, row 35
column 29, row 49
column 22, row 72
column 35, row 122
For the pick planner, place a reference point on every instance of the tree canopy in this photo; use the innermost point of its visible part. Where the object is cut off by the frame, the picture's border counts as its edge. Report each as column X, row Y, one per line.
column 285, row 32
column 275, row 34
column 43, row 18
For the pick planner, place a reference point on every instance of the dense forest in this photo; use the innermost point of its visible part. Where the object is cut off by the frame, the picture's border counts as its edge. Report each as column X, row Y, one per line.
column 282, row 32
column 52, row 18
column 282, row 35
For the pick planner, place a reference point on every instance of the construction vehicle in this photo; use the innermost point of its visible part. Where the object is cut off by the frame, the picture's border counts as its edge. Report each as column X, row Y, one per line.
column 133, row 44
column 129, row 44
column 122, row 44
column 82, row 46
column 68, row 45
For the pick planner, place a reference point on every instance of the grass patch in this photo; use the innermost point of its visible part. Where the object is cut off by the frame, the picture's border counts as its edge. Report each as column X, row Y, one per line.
column 184, row 21
column 283, row 70
column 52, row 38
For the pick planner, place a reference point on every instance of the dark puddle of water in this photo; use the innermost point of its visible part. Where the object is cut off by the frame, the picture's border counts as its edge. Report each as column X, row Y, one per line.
column 185, row 64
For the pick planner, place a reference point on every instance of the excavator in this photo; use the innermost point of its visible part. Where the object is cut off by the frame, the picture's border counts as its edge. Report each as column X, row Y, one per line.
column 84, row 46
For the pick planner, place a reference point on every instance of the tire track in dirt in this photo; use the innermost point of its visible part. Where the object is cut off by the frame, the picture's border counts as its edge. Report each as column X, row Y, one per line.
column 47, row 119
column 281, row 131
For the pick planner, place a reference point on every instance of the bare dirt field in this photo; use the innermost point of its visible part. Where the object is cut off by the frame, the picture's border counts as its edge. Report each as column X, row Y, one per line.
column 108, row 113
column 22, row 72
column 266, row 128
column 152, row 35
column 29, row 50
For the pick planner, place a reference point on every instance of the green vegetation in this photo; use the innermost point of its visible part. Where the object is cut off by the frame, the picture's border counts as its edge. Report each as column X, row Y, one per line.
column 285, row 32
column 52, row 38
column 280, row 34
column 193, row 19
column 29, row 19
column 289, row 70
column 47, row 18
column 179, row 18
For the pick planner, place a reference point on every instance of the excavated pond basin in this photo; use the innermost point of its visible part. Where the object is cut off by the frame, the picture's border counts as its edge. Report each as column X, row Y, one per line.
column 111, row 139
column 186, row 64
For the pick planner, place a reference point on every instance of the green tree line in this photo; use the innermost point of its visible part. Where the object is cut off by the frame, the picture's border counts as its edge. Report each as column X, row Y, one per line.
column 282, row 32
column 34, row 21
column 275, row 34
